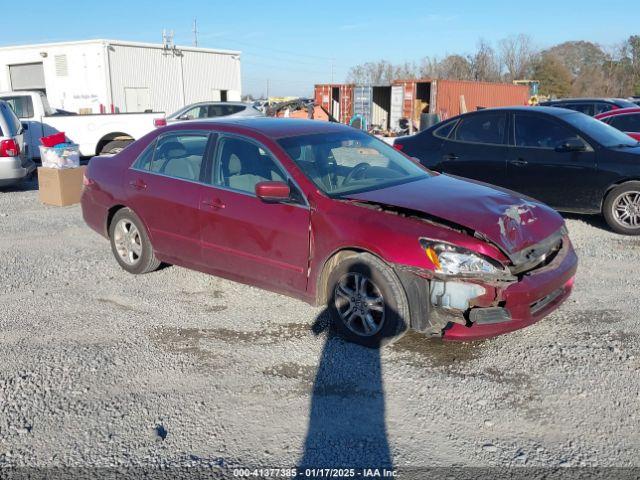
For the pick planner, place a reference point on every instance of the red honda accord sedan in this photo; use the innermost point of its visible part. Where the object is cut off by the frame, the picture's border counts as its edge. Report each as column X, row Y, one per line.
column 331, row 215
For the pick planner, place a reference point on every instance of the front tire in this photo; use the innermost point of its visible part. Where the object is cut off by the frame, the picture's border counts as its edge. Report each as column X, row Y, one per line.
column 367, row 302
column 621, row 209
column 130, row 243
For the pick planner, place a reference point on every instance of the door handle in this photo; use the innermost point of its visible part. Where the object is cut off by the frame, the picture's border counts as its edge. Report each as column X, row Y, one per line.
column 519, row 162
column 138, row 184
column 216, row 204
column 450, row 156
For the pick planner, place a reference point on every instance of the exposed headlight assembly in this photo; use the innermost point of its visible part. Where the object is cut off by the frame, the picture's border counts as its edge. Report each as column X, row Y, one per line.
column 453, row 260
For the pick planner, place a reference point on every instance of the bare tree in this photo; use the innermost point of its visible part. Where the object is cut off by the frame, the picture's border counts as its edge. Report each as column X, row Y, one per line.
column 455, row 67
column 407, row 71
column 429, row 67
column 517, row 55
column 372, row 73
column 484, row 63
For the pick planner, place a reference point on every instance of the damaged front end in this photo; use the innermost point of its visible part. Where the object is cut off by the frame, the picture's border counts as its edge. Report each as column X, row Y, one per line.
column 467, row 292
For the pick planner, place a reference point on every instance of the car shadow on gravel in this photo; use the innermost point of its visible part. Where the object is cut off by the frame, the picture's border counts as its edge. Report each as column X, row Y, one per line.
column 596, row 221
column 347, row 428
column 29, row 184
column 347, row 414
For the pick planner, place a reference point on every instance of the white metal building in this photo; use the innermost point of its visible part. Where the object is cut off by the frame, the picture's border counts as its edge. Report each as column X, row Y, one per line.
column 96, row 76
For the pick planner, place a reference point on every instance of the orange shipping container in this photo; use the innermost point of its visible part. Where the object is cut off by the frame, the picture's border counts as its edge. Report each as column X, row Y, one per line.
column 446, row 97
column 337, row 99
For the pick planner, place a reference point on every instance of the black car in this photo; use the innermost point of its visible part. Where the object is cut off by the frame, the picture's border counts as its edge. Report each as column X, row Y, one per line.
column 566, row 159
column 589, row 106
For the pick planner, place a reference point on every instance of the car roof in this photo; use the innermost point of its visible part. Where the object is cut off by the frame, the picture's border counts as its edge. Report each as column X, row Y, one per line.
column 541, row 109
column 618, row 111
column 588, row 99
column 274, row 128
column 216, row 102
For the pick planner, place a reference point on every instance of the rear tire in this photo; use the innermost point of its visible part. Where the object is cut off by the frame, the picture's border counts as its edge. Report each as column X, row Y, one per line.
column 367, row 302
column 130, row 243
column 114, row 147
column 621, row 209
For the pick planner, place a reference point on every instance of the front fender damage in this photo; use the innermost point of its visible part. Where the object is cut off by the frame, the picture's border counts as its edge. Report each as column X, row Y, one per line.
column 436, row 300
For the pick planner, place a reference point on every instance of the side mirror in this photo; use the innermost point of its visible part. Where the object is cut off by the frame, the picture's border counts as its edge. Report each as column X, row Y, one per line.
column 183, row 117
column 571, row 145
column 273, row 191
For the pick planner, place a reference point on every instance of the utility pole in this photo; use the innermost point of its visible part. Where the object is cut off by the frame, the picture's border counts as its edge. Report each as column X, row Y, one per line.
column 267, row 89
column 195, row 32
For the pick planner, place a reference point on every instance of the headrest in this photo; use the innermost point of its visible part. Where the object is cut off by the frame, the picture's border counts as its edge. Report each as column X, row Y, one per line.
column 294, row 152
column 172, row 150
column 235, row 165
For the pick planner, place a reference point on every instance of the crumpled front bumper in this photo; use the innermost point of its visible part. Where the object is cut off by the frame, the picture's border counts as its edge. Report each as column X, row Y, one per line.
column 526, row 301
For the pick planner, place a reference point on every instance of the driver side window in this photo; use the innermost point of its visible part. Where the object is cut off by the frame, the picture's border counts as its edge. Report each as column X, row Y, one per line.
column 537, row 131
column 240, row 165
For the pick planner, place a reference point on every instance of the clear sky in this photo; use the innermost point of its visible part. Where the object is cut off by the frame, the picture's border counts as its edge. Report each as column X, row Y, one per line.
column 292, row 44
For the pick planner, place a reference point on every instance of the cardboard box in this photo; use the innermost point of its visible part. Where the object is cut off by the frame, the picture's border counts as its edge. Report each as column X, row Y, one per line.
column 60, row 186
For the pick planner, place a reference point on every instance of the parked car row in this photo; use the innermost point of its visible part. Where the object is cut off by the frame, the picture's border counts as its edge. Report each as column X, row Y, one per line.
column 563, row 158
column 625, row 119
column 590, row 106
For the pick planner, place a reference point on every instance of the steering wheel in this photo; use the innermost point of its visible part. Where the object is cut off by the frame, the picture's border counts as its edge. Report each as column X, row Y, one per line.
column 356, row 172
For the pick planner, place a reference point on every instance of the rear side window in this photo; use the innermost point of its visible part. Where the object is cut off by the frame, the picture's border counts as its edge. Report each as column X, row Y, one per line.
column 540, row 132
column 22, row 105
column 224, row 110
column 602, row 107
column 445, row 130
column 175, row 155
column 626, row 123
column 586, row 108
column 10, row 119
column 484, row 128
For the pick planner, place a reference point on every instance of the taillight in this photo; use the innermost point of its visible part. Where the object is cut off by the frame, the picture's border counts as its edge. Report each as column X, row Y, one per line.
column 398, row 146
column 159, row 122
column 9, row 148
column 87, row 182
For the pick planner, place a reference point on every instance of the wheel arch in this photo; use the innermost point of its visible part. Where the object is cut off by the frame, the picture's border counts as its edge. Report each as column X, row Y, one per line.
column 322, row 278
column 110, row 137
column 111, row 212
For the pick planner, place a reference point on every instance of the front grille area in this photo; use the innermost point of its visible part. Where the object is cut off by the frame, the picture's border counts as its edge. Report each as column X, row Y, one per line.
column 540, row 305
column 539, row 255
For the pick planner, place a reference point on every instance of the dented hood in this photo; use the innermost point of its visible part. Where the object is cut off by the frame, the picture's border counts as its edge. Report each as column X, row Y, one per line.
column 510, row 221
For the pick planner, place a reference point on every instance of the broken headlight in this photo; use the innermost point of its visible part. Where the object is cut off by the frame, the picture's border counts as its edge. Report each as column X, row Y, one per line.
column 449, row 259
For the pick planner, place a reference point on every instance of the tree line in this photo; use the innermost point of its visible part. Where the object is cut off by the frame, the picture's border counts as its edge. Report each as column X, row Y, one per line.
column 575, row 68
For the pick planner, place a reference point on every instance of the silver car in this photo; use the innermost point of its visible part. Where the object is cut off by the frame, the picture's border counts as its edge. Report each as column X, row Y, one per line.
column 14, row 163
column 197, row 111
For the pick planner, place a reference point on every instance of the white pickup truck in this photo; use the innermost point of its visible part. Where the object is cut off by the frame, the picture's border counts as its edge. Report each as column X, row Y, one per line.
column 95, row 133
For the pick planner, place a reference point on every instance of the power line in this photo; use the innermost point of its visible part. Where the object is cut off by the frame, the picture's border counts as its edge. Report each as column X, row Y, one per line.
column 279, row 67
column 281, row 51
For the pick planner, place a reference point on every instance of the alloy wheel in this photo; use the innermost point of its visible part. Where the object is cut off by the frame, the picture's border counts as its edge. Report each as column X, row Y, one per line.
column 360, row 304
column 626, row 209
column 127, row 241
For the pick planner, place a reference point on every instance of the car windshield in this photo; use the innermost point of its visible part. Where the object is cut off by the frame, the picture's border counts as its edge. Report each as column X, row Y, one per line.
column 604, row 134
column 350, row 162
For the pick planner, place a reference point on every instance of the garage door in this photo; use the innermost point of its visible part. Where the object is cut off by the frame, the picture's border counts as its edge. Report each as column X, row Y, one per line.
column 29, row 76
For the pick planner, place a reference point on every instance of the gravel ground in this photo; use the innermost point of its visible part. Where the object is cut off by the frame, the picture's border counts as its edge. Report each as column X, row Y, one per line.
column 177, row 368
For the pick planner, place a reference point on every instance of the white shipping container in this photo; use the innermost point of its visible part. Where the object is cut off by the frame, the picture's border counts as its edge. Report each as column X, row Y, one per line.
column 97, row 76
